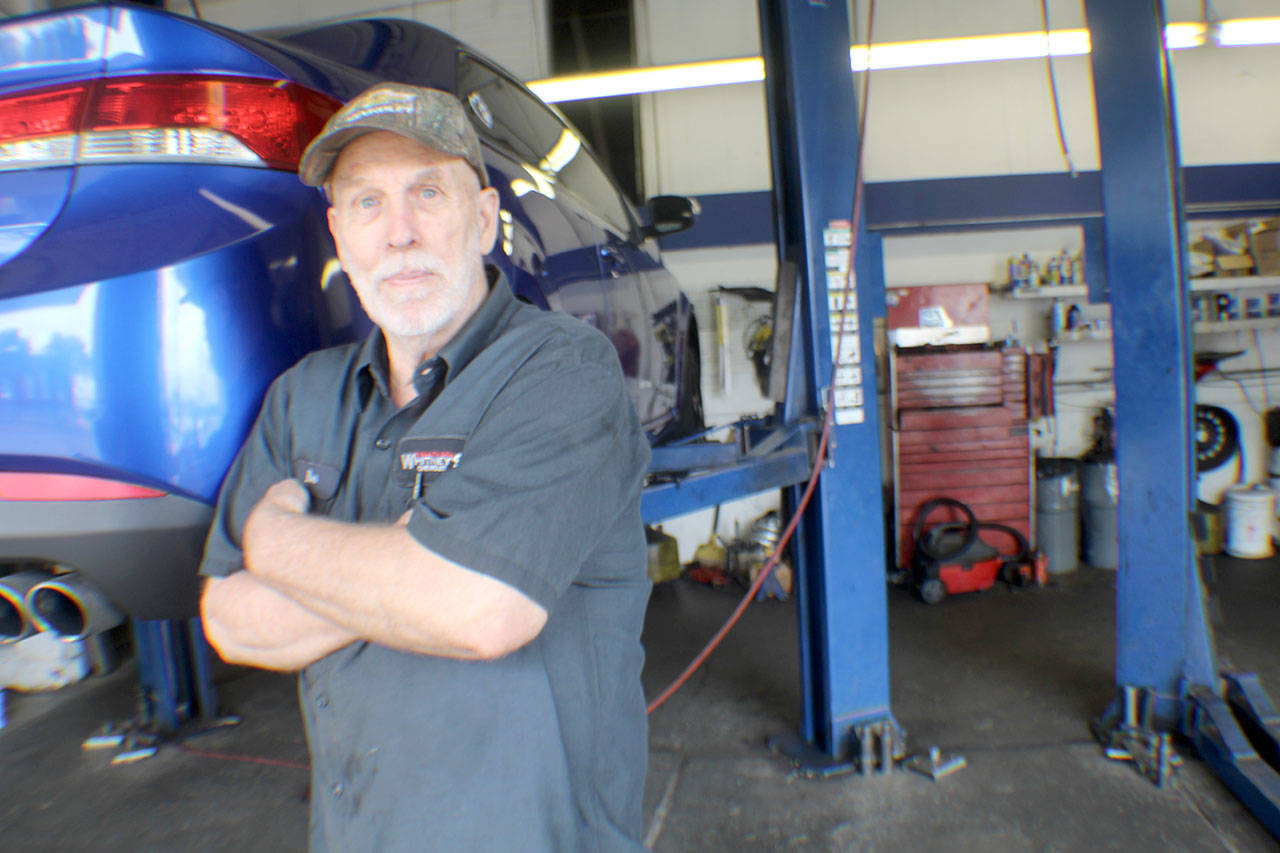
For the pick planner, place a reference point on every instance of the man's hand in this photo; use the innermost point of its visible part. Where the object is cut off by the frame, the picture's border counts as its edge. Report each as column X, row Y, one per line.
column 287, row 497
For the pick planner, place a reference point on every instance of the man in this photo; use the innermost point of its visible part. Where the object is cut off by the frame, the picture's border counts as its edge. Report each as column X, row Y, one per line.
column 440, row 527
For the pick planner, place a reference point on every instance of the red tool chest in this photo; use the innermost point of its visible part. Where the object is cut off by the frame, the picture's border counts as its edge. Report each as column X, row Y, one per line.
column 961, row 431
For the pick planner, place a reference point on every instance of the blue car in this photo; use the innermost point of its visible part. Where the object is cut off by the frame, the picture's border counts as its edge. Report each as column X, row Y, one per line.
column 160, row 264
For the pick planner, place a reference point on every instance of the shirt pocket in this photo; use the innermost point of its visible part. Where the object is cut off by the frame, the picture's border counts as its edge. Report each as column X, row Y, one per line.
column 321, row 481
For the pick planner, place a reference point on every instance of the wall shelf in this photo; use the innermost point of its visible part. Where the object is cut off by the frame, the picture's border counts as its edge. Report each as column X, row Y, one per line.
column 1197, row 285
column 1075, row 336
column 1205, row 327
column 1051, row 291
column 1235, row 282
column 1210, row 326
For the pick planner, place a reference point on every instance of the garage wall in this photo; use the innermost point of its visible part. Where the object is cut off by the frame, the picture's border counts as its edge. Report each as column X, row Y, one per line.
column 954, row 121
column 951, row 121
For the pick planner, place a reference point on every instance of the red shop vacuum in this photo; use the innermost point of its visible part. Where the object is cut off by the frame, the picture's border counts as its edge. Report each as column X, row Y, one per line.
column 953, row 558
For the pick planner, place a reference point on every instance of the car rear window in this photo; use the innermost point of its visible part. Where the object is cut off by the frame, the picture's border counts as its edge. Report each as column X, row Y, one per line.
column 515, row 120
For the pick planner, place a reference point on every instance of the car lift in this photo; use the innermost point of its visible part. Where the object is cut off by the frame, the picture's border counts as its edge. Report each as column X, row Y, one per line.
column 1164, row 644
column 1166, row 674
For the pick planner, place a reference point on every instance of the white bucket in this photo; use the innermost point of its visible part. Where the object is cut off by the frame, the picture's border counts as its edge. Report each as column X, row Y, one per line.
column 1249, row 513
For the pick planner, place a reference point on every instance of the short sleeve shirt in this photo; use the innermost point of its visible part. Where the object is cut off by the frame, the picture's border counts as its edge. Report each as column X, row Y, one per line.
column 522, row 458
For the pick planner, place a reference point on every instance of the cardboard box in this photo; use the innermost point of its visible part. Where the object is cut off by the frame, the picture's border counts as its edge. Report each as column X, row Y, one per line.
column 1200, row 254
column 1233, row 264
column 1264, row 244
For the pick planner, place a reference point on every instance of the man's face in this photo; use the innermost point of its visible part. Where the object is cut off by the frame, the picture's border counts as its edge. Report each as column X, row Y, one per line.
column 412, row 226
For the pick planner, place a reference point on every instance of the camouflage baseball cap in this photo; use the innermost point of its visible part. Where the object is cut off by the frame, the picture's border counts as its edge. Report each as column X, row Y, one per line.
column 434, row 118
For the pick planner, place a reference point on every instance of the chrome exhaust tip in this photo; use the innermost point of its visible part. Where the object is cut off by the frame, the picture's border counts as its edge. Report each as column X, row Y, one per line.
column 71, row 607
column 16, row 622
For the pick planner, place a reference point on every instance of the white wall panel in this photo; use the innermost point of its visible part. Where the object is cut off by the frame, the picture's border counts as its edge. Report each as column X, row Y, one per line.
column 693, row 30
column 707, row 141
column 1225, row 100
column 912, row 20
column 992, row 118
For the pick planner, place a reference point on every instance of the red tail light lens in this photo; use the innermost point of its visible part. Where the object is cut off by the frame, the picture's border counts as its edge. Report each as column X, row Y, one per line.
column 47, row 113
column 167, row 117
column 24, row 486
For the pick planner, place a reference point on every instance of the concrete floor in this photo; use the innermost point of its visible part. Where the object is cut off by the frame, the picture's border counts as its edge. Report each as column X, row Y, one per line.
column 1007, row 679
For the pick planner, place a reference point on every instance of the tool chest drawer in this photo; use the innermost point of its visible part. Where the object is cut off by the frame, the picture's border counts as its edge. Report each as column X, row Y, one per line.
column 961, row 431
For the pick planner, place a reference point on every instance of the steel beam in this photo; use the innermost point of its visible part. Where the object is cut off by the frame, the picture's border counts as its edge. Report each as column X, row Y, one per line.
column 840, row 554
column 1162, row 634
column 702, row 489
column 175, row 674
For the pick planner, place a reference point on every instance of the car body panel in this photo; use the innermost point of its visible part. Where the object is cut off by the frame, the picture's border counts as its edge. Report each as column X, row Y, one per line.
column 29, row 203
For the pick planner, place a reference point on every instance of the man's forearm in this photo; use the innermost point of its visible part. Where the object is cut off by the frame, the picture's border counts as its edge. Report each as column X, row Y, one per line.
column 248, row 622
column 379, row 583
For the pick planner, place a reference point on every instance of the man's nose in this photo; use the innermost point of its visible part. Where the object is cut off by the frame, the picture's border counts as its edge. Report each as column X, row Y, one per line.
column 402, row 227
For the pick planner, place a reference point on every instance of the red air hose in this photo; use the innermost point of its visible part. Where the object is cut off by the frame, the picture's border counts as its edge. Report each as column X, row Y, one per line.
column 827, row 419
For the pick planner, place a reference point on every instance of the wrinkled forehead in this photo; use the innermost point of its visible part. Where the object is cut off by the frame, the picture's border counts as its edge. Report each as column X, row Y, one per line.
column 381, row 154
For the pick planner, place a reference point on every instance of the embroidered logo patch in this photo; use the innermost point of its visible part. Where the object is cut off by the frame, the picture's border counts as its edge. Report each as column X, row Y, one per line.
column 421, row 460
column 321, row 480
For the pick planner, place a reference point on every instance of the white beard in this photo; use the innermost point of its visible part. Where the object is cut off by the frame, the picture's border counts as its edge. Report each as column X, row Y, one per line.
column 420, row 312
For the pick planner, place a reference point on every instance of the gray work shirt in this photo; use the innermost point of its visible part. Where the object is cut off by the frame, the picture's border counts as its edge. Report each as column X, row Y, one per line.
column 522, row 458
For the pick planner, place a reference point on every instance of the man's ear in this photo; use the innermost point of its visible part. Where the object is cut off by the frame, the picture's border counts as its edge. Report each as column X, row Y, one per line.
column 487, row 211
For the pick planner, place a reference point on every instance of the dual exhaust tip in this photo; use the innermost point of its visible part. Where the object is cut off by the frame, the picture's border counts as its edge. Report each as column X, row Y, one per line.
column 67, row 605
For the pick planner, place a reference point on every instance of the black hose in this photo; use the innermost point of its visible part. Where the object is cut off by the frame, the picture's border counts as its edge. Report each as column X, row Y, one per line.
column 924, row 543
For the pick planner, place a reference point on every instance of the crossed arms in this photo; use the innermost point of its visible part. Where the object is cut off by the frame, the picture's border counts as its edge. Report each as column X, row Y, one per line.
column 312, row 586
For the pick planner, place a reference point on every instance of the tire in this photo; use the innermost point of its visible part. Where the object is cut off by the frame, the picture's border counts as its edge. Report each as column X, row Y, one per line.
column 689, row 419
column 933, row 591
column 1217, row 437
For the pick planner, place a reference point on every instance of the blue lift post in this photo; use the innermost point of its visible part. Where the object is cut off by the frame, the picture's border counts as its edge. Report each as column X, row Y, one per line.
column 841, row 586
column 1165, row 666
column 1160, row 609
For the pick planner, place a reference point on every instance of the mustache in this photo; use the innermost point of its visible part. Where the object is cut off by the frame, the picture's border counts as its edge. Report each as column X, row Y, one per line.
column 405, row 262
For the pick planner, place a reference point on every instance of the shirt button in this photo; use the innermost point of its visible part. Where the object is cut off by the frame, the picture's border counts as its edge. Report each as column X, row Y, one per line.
column 322, row 701
column 336, row 789
column 382, row 443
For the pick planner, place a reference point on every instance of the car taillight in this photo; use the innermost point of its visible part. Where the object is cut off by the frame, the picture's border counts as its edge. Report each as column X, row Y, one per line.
column 185, row 118
column 32, row 486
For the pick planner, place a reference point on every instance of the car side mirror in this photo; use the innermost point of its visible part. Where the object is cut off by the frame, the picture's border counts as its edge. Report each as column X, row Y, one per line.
column 669, row 214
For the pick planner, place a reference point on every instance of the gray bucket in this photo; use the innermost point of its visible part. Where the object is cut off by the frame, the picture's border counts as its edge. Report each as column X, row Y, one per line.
column 1058, row 513
column 1100, row 490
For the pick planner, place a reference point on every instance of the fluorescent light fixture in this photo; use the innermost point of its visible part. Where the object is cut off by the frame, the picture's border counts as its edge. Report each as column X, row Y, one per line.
column 1179, row 36
column 919, row 54
column 907, row 54
column 635, row 81
column 1247, row 31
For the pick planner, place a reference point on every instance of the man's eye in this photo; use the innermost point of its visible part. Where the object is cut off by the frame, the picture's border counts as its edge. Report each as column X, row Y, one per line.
column 366, row 202
column 428, row 192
